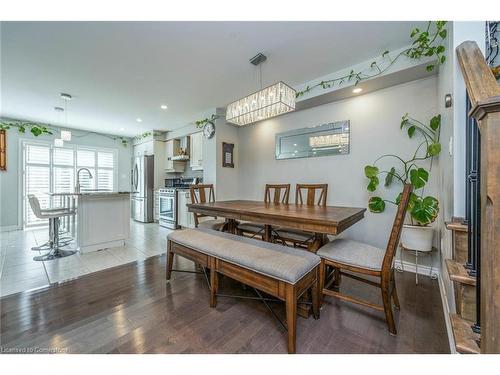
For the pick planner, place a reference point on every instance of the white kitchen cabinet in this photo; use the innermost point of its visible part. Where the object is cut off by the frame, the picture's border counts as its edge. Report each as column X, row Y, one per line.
column 172, row 148
column 186, row 219
column 144, row 148
column 196, row 151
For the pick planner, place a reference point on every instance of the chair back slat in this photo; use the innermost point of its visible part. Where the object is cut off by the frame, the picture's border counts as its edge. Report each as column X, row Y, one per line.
column 311, row 194
column 281, row 193
column 199, row 195
column 397, row 227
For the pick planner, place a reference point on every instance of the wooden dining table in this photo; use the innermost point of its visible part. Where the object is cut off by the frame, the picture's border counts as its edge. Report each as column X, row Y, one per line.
column 320, row 220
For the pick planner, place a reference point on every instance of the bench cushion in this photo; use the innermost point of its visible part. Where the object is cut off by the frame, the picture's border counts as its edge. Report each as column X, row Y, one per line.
column 276, row 261
column 353, row 253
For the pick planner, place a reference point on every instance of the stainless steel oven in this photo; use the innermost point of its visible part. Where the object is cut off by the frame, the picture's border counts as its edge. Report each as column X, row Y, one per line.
column 168, row 207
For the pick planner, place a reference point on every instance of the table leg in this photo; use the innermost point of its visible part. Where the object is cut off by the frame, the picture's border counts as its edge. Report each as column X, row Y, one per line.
column 268, row 230
column 304, row 310
column 320, row 239
column 231, row 226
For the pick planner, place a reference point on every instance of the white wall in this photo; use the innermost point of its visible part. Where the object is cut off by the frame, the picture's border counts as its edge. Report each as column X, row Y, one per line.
column 375, row 120
column 462, row 31
column 10, row 188
column 446, row 164
column 227, row 179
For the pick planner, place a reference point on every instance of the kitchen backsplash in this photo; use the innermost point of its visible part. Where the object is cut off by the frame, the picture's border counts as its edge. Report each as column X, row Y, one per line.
column 188, row 173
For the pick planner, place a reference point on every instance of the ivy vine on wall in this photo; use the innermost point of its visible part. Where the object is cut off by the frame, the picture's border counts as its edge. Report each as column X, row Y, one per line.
column 425, row 43
column 37, row 129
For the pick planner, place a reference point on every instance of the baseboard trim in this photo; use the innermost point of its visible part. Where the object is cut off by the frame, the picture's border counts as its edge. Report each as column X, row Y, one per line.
column 447, row 319
column 422, row 270
column 9, row 228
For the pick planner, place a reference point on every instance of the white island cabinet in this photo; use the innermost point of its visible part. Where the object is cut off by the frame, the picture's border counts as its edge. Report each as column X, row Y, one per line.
column 102, row 219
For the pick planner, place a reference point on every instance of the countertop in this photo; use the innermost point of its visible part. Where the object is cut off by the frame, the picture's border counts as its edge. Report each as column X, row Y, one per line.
column 91, row 193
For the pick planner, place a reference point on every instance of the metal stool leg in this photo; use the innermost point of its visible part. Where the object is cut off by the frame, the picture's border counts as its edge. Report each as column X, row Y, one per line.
column 54, row 252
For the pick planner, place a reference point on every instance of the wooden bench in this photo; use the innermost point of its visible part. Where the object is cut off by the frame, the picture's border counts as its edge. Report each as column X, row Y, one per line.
column 280, row 271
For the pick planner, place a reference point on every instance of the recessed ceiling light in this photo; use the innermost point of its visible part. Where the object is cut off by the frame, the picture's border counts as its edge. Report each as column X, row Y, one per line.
column 163, row 106
column 357, row 90
column 122, row 129
column 138, row 119
column 65, row 96
column 59, row 109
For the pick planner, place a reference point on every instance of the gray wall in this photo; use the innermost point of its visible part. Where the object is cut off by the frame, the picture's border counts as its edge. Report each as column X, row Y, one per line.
column 10, row 188
column 375, row 120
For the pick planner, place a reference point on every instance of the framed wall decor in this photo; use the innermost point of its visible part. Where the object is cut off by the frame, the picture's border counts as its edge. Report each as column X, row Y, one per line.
column 228, row 155
column 3, row 150
column 323, row 140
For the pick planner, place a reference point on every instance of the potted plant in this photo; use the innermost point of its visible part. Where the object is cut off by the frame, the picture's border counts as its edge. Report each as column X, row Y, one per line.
column 422, row 210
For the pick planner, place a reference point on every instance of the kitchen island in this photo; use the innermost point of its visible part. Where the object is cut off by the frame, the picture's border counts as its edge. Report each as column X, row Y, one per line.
column 102, row 219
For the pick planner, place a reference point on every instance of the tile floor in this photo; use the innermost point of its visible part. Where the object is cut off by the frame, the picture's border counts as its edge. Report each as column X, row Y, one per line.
column 19, row 272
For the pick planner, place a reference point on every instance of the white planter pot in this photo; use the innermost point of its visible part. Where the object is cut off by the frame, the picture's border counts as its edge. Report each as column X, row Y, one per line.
column 417, row 238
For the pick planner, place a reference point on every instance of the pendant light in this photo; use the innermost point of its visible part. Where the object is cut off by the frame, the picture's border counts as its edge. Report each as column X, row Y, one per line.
column 269, row 102
column 66, row 134
column 58, row 142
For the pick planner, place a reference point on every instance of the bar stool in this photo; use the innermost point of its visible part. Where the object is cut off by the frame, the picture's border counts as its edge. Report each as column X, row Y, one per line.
column 54, row 215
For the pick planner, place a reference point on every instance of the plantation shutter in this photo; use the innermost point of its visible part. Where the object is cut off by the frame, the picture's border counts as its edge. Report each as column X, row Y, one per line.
column 37, row 180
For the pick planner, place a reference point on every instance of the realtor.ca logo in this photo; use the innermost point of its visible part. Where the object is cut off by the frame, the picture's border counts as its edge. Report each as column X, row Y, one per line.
column 31, row 350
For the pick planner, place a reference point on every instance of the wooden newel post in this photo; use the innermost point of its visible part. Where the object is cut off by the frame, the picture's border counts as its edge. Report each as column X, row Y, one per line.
column 484, row 93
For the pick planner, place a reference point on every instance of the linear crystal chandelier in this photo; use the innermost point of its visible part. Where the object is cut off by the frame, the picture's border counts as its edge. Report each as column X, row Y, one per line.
column 269, row 102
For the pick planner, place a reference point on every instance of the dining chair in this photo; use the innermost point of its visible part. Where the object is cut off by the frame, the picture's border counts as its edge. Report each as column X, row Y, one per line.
column 297, row 237
column 203, row 193
column 280, row 193
column 348, row 257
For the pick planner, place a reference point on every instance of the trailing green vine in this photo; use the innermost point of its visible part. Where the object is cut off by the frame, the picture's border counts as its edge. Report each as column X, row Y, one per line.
column 428, row 43
column 37, row 129
column 211, row 120
column 22, row 126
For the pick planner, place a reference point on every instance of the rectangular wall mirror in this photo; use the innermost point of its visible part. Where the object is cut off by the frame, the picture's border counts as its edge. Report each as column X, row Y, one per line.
column 328, row 139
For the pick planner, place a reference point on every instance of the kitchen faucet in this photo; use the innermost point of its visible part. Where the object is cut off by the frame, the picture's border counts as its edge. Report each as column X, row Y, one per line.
column 77, row 187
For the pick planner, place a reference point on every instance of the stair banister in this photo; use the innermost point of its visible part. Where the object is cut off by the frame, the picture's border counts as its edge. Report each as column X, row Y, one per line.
column 484, row 93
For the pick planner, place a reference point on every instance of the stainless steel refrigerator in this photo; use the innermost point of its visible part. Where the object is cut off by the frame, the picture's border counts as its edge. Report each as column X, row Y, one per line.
column 142, row 196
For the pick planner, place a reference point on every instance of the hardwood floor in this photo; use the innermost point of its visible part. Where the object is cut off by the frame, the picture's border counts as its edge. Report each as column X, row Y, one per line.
column 131, row 309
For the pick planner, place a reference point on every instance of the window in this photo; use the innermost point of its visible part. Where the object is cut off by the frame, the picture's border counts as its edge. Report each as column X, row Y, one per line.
column 53, row 169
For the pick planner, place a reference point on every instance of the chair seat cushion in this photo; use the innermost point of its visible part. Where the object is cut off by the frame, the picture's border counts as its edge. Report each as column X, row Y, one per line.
column 353, row 253
column 295, row 235
column 50, row 213
column 214, row 224
column 276, row 261
column 248, row 226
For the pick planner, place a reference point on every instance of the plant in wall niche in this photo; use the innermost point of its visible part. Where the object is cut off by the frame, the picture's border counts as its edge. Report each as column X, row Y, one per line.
column 422, row 210
column 424, row 43
column 142, row 136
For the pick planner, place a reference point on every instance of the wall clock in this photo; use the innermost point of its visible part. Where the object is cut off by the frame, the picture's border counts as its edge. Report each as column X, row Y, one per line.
column 209, row 130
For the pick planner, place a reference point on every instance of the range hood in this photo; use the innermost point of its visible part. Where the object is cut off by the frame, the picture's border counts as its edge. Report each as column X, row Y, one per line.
column 180, row 158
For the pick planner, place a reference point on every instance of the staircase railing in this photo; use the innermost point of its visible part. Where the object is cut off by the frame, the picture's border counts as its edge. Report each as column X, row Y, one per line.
column 484, row 94
column 473, row 206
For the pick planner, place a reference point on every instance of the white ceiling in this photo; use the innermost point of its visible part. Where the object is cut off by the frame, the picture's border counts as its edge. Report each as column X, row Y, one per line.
column 119, row 71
